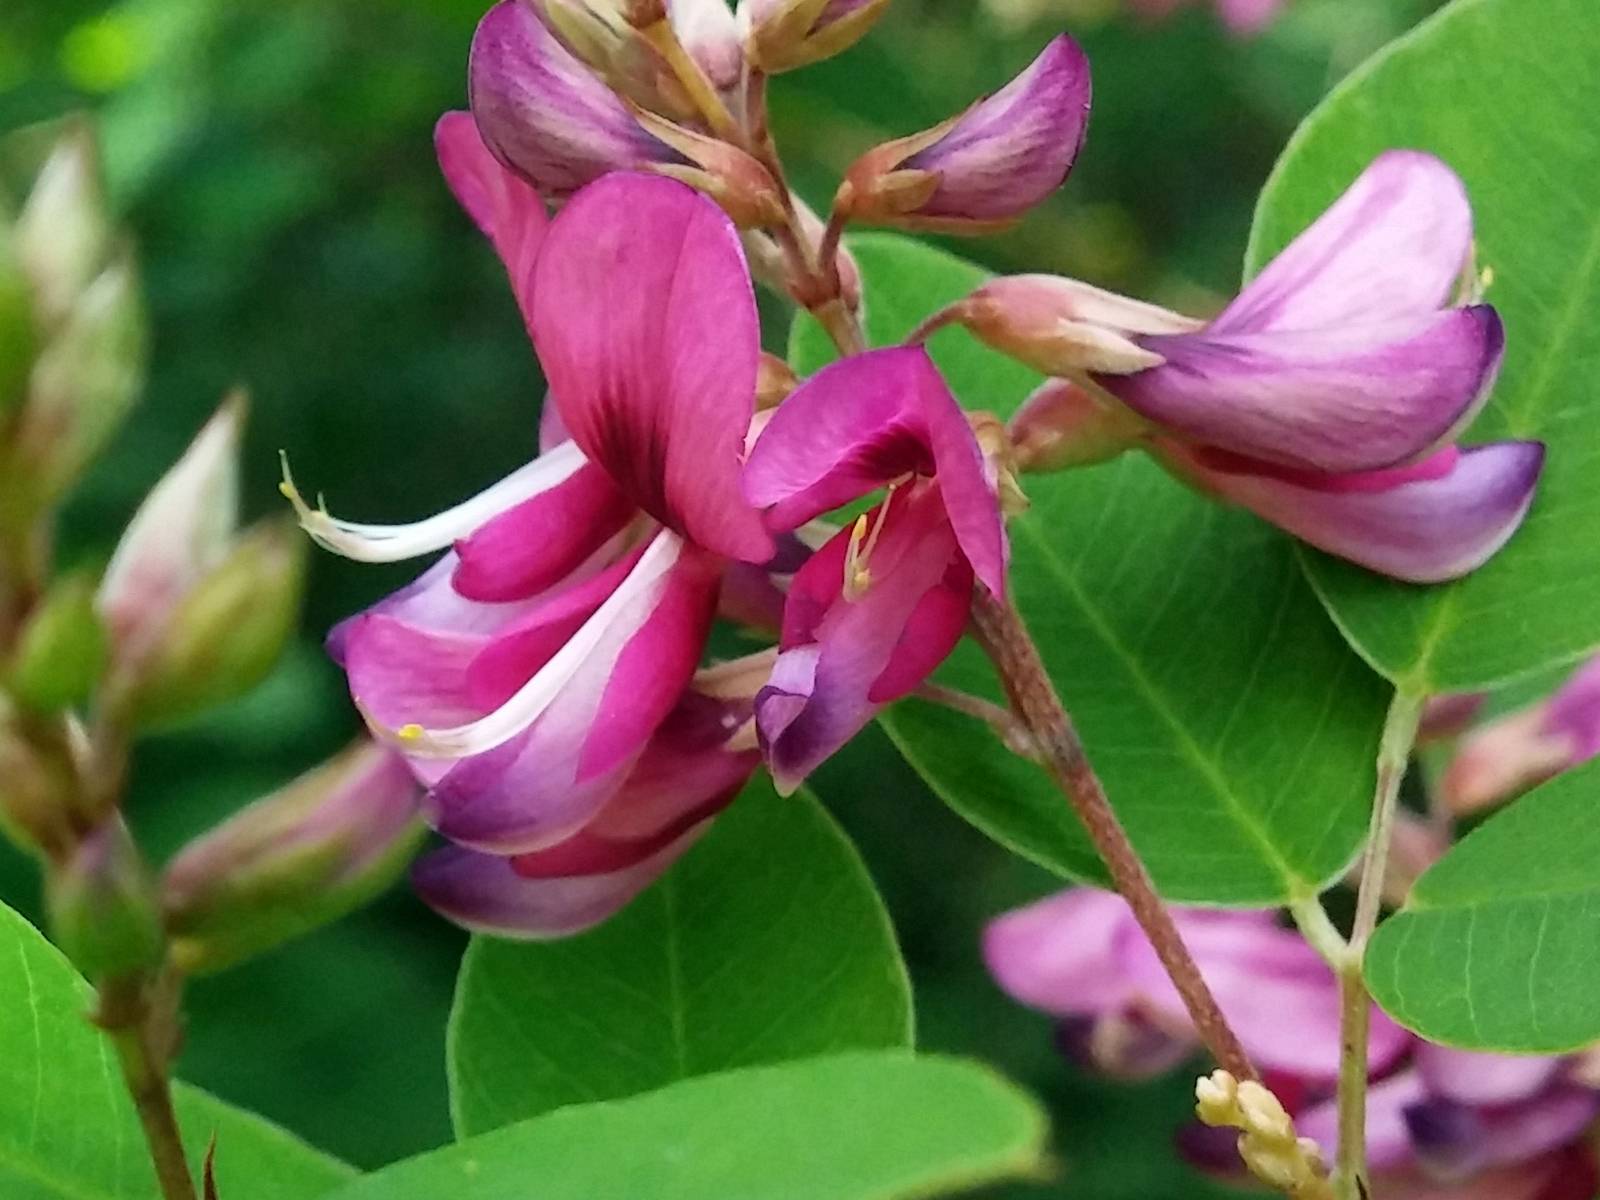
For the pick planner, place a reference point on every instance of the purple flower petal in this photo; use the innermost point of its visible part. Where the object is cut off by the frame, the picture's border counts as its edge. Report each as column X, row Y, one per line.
column 1343, row 398
column 645, row 322
column 1422, row 531
column 1393, row 245
column 1468, row 1077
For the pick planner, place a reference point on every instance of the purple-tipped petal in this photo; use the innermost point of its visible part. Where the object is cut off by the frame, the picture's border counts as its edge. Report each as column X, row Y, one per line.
column 544, row 113
column 862, row 422
column 1394, row 244
column 1010, row 151
column 645, row 322
column 535, row 545
column 841, row 658
column 1423, row 531
column 1455, row 1141
column 509, row 212
column 1338, row 399
column 484, row 893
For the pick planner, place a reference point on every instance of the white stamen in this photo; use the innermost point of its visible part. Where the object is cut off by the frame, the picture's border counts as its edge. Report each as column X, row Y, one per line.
column 393, row 543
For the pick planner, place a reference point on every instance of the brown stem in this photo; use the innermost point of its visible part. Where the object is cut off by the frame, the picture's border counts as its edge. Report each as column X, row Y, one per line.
column 139, row 1014
column 1004, row 636
column 1011, row 731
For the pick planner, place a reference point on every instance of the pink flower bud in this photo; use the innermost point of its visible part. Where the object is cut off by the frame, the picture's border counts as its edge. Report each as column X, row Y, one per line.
column 743, row 188
column 63, row 233
column 1063, row 425
column 986, row 167
column 102, row 904
column 710, row 34
column 784, row 34
column 39, row 785
column 293, row 861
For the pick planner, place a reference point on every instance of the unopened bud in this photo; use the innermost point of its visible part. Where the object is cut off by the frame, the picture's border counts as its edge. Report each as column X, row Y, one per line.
column 61, row 652
column 18, row 336
column 81, row 387
column 225, row 634
column 1063, row 425
column 743, row 188
column 180, row 534
column 102, row 904
column 1263, row 1113
column 544, row 114
column 1217, row 1100
column 63, row 235
column 1447, row 717
column 985, row 168
column 781, row 35
column 775, row 379
column 708, row 31
column 606, row 41
column 296, row 860
column 39, row 782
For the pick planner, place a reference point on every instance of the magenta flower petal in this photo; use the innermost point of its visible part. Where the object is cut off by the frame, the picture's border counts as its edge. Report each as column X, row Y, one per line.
column 1454, row 1140
column 1344, row 398
column 402, row 673
column 1010, row 151
column 864, row 421
column 483, row 892
column 1467, row 1077
column 839, row 654
column 1389, row 1146
column 645, row 322
column 551, row 779
column 510, row 213
column 1424, row 531
column 1063, row 955
column 544, row 113
column 1393, row 245
column 536, row 544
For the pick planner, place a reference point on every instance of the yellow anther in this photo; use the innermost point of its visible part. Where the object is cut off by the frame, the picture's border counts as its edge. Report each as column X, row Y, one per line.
column 857, row 576
column 410, row 733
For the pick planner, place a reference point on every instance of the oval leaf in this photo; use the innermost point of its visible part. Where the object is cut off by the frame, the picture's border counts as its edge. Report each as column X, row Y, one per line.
column 863, row 1126
column 1233, row 729
column 1498, row 946
column 1527, row 146
column 767, row 942
column 67, row 1128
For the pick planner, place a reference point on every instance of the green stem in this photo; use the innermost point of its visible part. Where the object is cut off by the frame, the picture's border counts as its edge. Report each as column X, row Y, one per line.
column 138, row 1013
column 1394, row 752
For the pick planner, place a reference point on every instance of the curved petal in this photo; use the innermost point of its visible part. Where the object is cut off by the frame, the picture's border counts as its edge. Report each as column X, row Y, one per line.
column 645, row 322
column 1063, row 955
column 539, row 542
column 1426, row 531
column 1467, row 1077
column 544, row 113
column 395, row 543
column 1349, row 398
column 1389, row 1145
column 1395, row 243
column 429, row 602
column 508, row 211
column 1457, row 1140
column 836, row 651
column 483, row 892
column 864, row 421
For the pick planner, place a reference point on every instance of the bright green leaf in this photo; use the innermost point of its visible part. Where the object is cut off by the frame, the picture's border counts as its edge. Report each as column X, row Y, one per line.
column 862, row 1126
column 67, row 1129
column 766, row 943
column 1234, row 731
column 1502, row 90
column 1498, row 946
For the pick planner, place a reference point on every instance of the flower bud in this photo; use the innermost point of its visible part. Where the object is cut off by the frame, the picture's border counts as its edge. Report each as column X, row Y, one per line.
column 102, row 904
column 544, row 114
column 63, row 235
column 1063, row 327
column 18, row 338
column 1063, row 425
column 225, row 633
column 775, row 379
column 708, row 31
column 781, row 35
column 39, row 784
column 181, row 533
column 82, row 385
column 293, row 861
column 736, row 181
column 987, row 167
column 60, row 653
column 605, row 39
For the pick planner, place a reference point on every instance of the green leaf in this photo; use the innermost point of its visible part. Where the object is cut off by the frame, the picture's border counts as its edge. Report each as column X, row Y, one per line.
column 1498, row 946
column 1502, row 90
column 1234, row 731
column 766, row 943
column 862, row 1126
column 67, row 1129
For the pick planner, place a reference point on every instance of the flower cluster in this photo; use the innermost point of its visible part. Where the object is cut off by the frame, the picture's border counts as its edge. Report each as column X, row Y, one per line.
column 1442, row 1124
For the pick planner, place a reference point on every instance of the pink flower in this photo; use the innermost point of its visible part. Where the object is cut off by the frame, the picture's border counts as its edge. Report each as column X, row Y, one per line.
column 1442, row 1124
column 873, row 613
column 1507, row 756
column 531, row 676
column 1242, row 17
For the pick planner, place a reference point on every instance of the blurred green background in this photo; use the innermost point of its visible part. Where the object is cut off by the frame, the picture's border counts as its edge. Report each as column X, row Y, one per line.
column 273, row 160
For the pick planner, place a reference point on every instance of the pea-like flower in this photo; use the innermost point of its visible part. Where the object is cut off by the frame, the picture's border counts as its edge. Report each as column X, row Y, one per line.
column 528, row 674
column 986, row 167
column 1327, row 397
column 871, row 615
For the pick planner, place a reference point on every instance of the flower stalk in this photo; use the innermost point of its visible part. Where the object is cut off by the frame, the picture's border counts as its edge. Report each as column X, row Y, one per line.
column 139, row 1013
